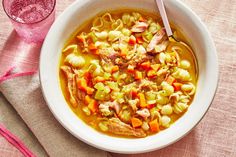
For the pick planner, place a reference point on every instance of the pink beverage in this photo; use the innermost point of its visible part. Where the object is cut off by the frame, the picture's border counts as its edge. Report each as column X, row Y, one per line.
column 31, row 18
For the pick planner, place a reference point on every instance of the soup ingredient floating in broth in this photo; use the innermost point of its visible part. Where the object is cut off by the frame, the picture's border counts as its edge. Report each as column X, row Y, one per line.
column 122, row 76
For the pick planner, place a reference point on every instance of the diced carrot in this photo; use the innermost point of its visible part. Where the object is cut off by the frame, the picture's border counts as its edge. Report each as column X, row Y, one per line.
column 136, row 122
column 151, row 73
column 138, row 75
column 81, row 39
column 115, row 68
column 154, row 126
column 87, row 76
column 99, row 79
column 123, row 53
column 130, row 69
column 139, row 40
column 142, row 100
column 96, row 52
column 89, row 90
column 87, row 99
column 177, row 86
column 150, row 106
column 142, row 19
column 93, row 105
column 155, row 66
column 132, row 40
column 82, row 84
column 170, row 80
column 92, row 47
column 134, row 93
column 145, row 65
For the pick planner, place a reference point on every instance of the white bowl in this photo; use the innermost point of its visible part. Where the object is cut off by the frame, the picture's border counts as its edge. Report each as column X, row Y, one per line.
column 80, row 11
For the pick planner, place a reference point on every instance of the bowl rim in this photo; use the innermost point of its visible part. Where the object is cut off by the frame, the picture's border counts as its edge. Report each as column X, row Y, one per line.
column 115, row 150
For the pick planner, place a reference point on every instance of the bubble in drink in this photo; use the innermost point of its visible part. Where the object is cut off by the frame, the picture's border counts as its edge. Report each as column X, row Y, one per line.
column 30, row 11
column 31, row 18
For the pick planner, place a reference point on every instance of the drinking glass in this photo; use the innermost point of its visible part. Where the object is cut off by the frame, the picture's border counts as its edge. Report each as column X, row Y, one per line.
column 31, row 18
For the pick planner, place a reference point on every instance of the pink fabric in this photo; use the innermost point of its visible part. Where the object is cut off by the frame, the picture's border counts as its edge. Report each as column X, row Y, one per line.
column 9, row 74
column 7, row 150
column 15, row 142
column 17, row 52
column 215, row 136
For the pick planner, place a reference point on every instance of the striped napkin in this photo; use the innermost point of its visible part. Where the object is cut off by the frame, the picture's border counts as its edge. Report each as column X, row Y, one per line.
column 23, row 91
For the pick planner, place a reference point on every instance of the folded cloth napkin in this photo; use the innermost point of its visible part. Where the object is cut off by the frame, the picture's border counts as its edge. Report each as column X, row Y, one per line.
column 25, row 95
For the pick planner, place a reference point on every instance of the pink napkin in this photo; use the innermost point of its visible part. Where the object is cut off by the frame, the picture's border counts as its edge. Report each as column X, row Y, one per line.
column 23, row 91
column 15, row 141
column 7, row 149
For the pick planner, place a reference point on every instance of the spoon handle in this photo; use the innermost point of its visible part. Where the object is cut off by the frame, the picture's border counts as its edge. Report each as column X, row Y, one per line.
column 162, row 11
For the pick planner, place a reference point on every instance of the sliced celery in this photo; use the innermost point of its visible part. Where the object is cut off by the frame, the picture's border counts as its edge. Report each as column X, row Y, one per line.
column 100, row 95
column 99, row 86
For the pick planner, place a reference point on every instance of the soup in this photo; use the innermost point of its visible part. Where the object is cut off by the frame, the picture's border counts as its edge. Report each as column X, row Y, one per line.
column 121, row 75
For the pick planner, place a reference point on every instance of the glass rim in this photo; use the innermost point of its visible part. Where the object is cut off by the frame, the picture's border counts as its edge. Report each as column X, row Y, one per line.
column 54, row 6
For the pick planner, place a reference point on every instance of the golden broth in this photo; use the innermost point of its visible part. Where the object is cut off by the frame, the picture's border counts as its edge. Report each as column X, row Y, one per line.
column 93, row 120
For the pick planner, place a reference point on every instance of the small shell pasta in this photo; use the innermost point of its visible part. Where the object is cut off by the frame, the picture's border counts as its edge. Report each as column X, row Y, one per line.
column 167, row 89
column 128, row 19
column 166, row 109
column 188, row 88
column 165, row 121
column 113, row 35
column 102, row 35
column 136, row 15
column 180, row 107
column 184, row 99
column 185, row 64
column 101, row 44
column 141, row 50
column 145, row 126
column 154, row 27
column 75, row 61
column 182, row 74
column 126, row 32
column 162, row 99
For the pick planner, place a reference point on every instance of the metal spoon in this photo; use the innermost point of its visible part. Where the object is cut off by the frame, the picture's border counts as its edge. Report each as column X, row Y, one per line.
column 166, row 23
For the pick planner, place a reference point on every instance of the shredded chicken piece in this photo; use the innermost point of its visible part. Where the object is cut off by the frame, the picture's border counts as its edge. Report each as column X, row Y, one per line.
column 116, row 106
column 139, row 58
column 143, row 113
column 139, row 27
column 157, row 38
column 105, row 107
column 81, row 95
column 118, row 127
column 133, row 104
column 161, row 47
column 132, row 52
column 108, row 54
column 148, row 85
column 71, row 84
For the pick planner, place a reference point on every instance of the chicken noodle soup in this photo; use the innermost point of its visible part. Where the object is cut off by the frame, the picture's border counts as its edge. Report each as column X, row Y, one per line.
column 122, row 76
